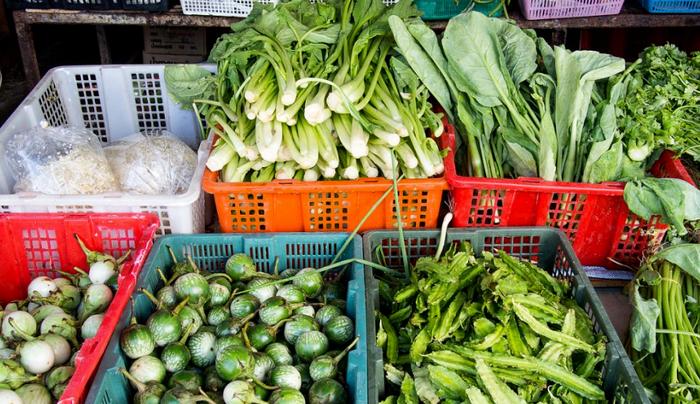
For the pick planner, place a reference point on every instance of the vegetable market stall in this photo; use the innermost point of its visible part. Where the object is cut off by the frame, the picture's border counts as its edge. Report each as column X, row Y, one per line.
column 631, row 16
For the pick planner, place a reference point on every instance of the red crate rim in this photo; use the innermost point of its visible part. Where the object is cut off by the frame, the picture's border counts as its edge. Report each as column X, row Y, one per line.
column 90, row 353
column 613, row 188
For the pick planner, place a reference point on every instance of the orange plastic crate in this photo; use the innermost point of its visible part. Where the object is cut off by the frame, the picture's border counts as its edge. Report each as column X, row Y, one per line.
column 323, row 206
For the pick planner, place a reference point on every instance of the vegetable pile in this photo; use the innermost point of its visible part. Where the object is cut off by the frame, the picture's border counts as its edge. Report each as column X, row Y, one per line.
column 664, row 328
column 489, row 329
column 661, row 107
column 310, row 90
column 42, row 334
column 242, row 337
column 523, row 108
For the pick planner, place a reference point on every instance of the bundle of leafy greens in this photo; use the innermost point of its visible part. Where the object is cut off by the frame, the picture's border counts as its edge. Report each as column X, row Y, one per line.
column 665, row 324
column 522, row 107
column 486, row 329
column 311, row 90
column 661, row 105
column 674, row 201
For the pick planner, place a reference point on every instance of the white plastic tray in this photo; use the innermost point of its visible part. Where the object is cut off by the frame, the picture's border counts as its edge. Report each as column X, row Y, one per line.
column 113, row 101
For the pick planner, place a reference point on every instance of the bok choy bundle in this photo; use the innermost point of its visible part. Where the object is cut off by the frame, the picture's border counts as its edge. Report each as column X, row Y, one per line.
column 311, row 90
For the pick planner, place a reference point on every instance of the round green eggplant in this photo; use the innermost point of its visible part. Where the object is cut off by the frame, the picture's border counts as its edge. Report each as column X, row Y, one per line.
column 311, row 344
column 327, row 391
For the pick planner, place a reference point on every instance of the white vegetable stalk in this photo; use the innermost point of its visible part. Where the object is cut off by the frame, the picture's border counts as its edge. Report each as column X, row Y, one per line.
column 315, row 111
column 268, row 139
column 311, row 174
column 353, row 91
column 301, row 144
column 326, row 170
column 381, row 156
column 220, row 156
column 285, row 171
column 367, row 168
column 391, row 139
column 406, row 155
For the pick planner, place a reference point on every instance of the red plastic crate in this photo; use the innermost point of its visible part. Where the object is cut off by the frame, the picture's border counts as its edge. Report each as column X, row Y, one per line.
column 594, row 217
column 42, row 244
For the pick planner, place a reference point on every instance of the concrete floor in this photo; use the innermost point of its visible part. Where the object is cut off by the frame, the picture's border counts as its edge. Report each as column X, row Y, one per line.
column 619, row 309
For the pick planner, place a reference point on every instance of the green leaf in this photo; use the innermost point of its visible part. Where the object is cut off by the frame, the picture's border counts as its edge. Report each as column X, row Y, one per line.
column 685, row 256
column 643, row 323
column 471, row 48
column 641, row 200
column 519, row 51
column 421, row 63
column 185, row 83
column 609, row 166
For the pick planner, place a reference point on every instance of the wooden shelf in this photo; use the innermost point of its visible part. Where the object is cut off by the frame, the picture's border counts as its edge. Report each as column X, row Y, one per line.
column 631, row 16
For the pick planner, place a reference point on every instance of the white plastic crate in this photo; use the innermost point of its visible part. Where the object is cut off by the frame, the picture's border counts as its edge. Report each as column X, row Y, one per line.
column 230, row 8
column 113, row 102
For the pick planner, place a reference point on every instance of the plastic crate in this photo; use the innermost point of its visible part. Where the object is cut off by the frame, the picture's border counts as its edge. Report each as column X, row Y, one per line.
column 146, row 5
column 446, row 9
column 90, row 4
column 41, row 244
column 550, row 9
column 29, row 4
column 229, row 8
column 210, row 252
column 671, row 6
column 546, row 247
column 114, row 102
column 594, row 217
column 322, row 206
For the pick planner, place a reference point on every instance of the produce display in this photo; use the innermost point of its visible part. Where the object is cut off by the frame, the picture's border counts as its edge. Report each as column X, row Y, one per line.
column 241, row 336
column 527, row 109
column 42, row 334
column 485, row 329
column 313, row 90
column 661, row 103
column 664, row 329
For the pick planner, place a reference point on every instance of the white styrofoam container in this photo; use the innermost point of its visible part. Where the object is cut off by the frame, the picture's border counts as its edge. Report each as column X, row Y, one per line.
column 230, row 8
column 114, row 101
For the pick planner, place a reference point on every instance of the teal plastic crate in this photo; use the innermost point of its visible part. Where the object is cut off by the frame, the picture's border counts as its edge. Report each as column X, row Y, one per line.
column 446, row 9
column 210, row 252
column 546, row 247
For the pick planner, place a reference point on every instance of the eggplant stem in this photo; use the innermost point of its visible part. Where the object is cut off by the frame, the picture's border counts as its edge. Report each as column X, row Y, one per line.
column 345, row 351
column 80, row 271
column 181, row 305
column 162, row 276
column 172, row 254
column 193, row 264
column 246, row 341
column 276, row 266
column 150, row 297
column 264, row 386
column 205, row 397
column 124, row 257
column 219, row 275
column 139, row 386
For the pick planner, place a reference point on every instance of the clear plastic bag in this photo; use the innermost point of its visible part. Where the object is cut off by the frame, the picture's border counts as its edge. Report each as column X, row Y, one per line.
column 59, row 161
column 152, row 165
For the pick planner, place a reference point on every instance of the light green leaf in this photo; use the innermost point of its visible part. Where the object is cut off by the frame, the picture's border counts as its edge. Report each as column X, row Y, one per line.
column 643, row 323
column 421, row 63
column 519, row 51
column 471, row 47
column 609, row 166
column 425, row 390
column 186, row 83
column 685, row 256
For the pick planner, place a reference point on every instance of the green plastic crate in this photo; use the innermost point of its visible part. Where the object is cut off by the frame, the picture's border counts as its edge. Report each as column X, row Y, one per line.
column 547, row 247
column 210, row 252
column 446, row 9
